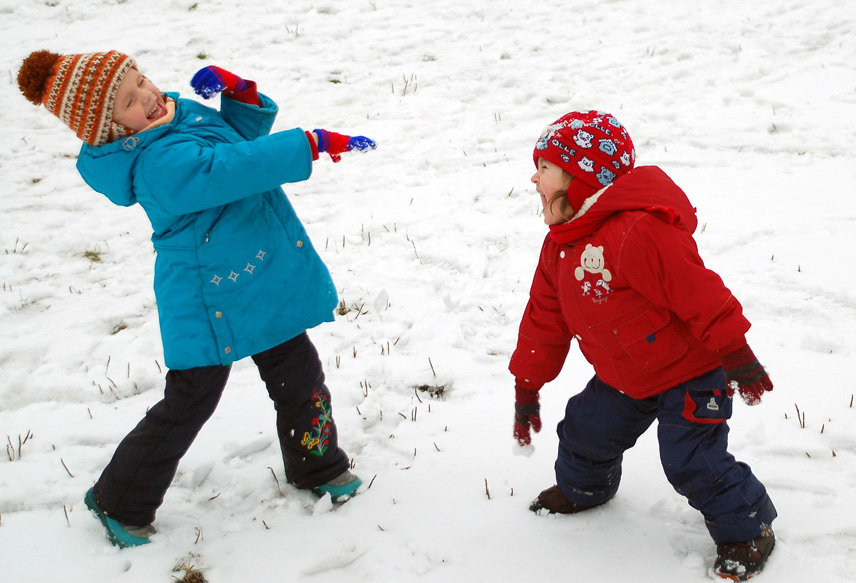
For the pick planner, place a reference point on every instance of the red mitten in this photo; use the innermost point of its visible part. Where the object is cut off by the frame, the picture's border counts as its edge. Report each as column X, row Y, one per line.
column 336, row 144
column 211, row 80
column 745, row 374
column 527, row 413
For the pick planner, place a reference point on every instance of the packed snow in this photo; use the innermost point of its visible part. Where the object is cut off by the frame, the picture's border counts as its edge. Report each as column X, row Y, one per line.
column 432, row 240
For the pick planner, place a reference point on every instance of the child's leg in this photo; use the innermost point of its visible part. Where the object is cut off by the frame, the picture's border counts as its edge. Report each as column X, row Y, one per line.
column 132, row 486
column 304, row 418
column 600, row 424
column 693, row 436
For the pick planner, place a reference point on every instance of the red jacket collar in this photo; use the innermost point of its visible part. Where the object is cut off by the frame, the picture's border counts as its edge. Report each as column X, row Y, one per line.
column 646, row 188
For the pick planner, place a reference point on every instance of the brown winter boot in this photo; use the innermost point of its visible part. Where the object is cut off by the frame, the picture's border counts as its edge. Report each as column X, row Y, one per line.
column 553, row 501
column 741, row 561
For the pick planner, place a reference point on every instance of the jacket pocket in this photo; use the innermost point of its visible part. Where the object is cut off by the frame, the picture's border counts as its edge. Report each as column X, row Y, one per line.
column 650, row 341
column 240, row 247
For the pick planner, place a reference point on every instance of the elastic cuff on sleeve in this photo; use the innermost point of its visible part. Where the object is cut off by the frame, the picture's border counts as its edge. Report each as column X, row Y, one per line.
column 524, row 396
column 735, row 358
column 733, row 347
column 312, row 145
column 250, row 95
column 520, row 383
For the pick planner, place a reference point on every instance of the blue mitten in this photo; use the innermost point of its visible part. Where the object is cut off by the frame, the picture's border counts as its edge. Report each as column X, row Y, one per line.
column 211, row 80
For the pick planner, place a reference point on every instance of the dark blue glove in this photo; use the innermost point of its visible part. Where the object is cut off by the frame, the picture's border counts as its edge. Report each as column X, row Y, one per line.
column 211, row 80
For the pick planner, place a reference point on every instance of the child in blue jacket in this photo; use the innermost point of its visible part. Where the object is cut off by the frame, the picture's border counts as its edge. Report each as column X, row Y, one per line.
column 235, row 276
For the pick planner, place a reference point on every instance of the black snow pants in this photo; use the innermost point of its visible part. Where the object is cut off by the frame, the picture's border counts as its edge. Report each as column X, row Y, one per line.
column 132, row 486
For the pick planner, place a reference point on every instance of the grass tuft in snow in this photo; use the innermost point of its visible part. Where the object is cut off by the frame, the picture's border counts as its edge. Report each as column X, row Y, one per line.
column 436, row 391
column 10, row 448
column 191, row 573
column 93, row 256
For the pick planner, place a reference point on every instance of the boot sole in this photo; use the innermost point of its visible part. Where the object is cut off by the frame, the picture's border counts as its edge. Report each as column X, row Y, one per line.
column 338, row 493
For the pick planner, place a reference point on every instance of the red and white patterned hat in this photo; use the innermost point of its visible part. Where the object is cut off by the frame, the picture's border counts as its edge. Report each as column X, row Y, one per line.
column 78, row 89
column 592, row 146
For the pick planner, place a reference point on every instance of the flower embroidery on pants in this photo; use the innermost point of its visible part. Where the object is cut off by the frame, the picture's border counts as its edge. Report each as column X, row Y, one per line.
column 318, row 438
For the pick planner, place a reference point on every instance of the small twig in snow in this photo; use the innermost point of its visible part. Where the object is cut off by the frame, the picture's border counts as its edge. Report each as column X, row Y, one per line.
column 277, row 480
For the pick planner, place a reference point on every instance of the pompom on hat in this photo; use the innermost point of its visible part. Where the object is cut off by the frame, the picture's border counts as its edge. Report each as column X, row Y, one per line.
column 78, row 89
column 592, row 146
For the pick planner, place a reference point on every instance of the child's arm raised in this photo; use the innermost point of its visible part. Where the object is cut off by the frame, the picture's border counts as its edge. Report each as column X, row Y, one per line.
column 211, row 80
column 336, row 144
column 186, row 175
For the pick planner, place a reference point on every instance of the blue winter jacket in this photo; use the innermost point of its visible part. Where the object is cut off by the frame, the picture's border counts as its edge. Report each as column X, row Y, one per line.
column 235, row 272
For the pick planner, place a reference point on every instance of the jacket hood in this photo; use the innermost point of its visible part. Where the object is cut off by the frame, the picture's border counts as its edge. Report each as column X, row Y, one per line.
column 646, row 188
column 108, row 169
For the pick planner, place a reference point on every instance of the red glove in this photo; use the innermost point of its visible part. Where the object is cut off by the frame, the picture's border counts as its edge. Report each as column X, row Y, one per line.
column 336, row 144
column 744, row 373
column 527, row 412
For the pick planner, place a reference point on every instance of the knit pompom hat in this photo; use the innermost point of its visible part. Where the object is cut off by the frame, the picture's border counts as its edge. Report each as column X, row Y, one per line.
column 78, row 89
column 592, row 146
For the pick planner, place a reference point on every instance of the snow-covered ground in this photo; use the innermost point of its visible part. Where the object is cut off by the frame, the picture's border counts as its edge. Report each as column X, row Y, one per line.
column 432, row 241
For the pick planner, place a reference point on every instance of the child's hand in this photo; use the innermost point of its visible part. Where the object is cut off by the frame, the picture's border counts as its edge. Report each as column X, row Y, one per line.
column 335, row 144
column 211, row 80
column 744, row 373
column 527, row 412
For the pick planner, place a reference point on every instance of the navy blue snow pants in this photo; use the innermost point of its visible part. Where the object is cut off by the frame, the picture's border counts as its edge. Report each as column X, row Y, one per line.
column 132, row 486
column 601, row 423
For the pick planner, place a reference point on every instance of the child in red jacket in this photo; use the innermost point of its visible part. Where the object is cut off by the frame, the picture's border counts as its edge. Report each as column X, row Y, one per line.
column 620, row 273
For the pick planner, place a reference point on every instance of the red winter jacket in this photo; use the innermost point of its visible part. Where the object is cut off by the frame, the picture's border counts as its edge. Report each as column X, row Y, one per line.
column 625, row 279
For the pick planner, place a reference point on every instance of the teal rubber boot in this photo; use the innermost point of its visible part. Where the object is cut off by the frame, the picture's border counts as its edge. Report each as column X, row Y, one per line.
column 341, row 488
column 121, row 535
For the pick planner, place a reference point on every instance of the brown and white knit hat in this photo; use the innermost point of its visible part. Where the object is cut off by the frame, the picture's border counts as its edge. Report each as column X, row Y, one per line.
column 78, row 89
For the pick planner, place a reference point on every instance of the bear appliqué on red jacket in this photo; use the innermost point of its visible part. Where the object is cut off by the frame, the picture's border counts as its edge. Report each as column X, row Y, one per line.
column 595, row 285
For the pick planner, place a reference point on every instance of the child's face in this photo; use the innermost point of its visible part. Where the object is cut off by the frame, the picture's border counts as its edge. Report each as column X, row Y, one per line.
column 138, row 102
column 550, row 179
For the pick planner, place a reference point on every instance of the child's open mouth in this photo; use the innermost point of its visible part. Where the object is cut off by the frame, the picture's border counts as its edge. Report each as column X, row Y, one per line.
column 158, row 112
